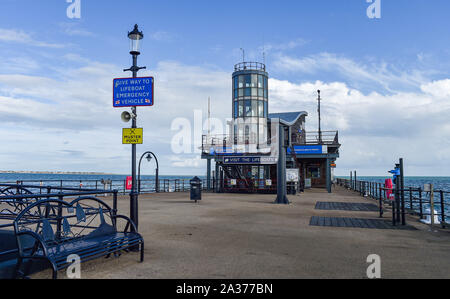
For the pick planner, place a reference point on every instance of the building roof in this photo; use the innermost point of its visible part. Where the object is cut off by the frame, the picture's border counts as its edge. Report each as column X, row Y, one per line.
column 288, row 118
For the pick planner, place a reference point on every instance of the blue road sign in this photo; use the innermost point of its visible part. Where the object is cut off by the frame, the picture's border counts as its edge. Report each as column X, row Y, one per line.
column 309, row 149
column 129, row 92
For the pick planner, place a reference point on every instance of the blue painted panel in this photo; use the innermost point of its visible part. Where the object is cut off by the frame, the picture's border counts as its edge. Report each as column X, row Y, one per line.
column 307, row 149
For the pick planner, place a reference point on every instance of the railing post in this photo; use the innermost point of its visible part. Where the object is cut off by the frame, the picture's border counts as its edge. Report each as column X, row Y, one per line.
column 115, row 203
column 411, row 199
column 420, row 203
column 381, row 203
column 442, row 209
column 60, row 215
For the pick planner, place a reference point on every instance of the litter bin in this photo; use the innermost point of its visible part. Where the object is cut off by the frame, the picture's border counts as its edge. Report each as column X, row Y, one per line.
column 196, row 189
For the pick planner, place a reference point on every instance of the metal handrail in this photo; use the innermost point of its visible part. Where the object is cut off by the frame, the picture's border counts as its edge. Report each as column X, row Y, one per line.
column 244, row 66
column 415, row 202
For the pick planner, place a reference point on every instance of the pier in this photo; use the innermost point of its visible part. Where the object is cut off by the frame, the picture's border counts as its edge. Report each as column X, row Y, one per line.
column 247, row 236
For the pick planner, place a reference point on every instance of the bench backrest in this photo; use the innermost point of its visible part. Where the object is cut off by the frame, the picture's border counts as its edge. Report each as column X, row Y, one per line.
column 56, row 221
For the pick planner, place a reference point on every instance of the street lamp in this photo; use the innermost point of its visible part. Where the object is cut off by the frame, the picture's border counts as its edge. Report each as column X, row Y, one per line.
column 149, row 159
column 135, row 37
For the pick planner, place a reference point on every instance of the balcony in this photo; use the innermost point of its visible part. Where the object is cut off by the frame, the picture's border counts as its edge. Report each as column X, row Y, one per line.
column 315, row 138
column 250, row 66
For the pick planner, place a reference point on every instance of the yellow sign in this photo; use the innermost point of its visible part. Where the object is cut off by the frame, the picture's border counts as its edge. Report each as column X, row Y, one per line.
column 133, row 136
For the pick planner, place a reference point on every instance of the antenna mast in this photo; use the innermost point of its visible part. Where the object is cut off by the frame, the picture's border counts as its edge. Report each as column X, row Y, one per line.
column 320, row 129
column 209, row 116
column 243, row 55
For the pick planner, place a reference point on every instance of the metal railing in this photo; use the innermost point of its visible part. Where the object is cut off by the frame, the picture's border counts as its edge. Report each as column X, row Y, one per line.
column 414, row 201
column 245, row 66
column 146, row 186
column 313, row 138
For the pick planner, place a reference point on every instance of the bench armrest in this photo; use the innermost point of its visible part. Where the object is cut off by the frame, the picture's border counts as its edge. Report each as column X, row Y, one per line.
column 34, row 236
column 129, row 222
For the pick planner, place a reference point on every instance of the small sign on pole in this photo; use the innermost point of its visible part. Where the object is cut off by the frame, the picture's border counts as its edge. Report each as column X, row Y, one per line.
column 129, row 182
column 133, row 136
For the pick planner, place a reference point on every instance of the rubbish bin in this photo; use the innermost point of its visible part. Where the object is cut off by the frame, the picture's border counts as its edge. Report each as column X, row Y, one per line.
column 196, row 189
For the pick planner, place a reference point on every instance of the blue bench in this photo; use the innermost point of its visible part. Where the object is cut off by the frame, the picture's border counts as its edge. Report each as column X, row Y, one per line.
column 52, row 230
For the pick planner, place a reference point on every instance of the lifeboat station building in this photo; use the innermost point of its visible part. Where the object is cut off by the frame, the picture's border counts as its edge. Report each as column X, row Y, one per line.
column 248, row 158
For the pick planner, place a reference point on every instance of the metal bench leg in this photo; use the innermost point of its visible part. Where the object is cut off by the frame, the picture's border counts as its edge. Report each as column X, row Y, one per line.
column 19, row 274
column 142, row 252
column 55, row 272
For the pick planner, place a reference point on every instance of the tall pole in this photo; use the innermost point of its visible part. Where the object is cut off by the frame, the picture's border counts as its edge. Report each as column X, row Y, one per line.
column 281, row 168
column 320, row 128
column 402, row 192
column 134, row 194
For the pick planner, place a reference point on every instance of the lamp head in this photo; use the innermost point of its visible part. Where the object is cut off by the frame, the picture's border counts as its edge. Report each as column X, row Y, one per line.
column 135, row 37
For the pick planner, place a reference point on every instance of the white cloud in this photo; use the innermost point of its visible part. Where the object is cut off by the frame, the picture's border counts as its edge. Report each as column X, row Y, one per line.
column 377, row 129
column 75, row 29
column 162, row 36
column 19, row 36
column 69, row 124
column 375, row 74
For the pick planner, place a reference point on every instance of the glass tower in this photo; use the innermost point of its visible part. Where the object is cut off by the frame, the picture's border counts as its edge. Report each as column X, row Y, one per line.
column 250, row 104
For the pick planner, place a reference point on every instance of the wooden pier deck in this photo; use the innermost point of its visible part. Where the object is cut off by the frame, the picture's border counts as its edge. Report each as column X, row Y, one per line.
column 234, row 236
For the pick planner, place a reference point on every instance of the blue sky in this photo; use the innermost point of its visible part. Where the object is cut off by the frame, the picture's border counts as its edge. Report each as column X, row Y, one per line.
column 385, row 81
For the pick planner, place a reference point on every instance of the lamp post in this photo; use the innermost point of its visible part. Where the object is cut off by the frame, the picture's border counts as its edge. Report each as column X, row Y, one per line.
column 149, row 159
column 135, row 37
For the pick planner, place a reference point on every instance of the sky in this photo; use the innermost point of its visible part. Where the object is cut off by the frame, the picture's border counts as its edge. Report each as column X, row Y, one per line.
column 385, row 81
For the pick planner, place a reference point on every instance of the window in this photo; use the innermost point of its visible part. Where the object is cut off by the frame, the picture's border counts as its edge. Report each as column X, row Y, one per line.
column 248, row 108
column 236, row 107
column 313, row 172
column 241, row 92
column 247, row 92
column 260, row 108
column 265, row 109
column 254, row 80
column 235, row 93
column 260, row 92
column 248, row 80
column 254, row 92
column 260, row 81
column 265, row 94
column 254, row 108
column 241, row 109
column 236, row 82
column 241, row 81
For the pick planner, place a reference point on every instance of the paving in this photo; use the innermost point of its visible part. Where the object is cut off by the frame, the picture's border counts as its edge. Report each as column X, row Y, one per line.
column 346, row 206
column 238, row 236
column 356, row 222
